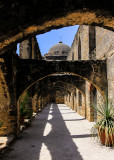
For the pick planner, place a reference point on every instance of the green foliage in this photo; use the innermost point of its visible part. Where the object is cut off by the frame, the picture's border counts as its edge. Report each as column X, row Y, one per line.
column 24, row 109
column 1, row 123
column 106, row 122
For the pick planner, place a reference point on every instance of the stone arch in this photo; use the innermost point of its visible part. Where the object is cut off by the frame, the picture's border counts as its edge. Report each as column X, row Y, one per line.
column 53, row 89
column 70, row 73
column 64, row 87
column 60, row 81
column 54, row 15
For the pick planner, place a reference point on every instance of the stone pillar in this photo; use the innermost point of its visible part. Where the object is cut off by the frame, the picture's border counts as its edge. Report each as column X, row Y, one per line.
column 65, row 99
column 72, row 101
column 36, row 54
column 39, row 108
column 110, row 77
column 68, row 100
column 29, row 49
column 75, row 102
column 35, row 103
column 100, row 101
column 89, row 109
column 87, row 91
column 83, row 106
column 42, row 102
column 77, row 99
column 25, row 49
column 8, row 101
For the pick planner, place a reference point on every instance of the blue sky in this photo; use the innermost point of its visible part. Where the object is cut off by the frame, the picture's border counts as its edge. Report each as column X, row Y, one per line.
column 48, row 39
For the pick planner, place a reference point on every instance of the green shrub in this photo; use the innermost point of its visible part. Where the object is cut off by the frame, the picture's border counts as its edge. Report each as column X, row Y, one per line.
column 24, row 109
column 1, row 123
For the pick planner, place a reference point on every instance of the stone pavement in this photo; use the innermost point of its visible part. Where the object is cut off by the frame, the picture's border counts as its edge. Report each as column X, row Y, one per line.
column 58, row 133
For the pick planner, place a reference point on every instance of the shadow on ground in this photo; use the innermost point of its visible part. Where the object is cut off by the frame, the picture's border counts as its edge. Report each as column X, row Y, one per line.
column 58, row 141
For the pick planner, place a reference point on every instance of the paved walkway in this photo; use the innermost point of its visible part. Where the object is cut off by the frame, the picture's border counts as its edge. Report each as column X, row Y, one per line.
column 58, row 133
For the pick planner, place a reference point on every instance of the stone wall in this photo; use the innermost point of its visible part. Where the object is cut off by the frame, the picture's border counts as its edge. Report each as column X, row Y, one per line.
column 104, row 42
column 81, row 38
column 103, row 48
column 72, row 100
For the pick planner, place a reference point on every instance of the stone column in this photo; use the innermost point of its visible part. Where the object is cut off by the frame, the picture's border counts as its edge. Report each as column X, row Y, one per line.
column 68, row 100
column 29, row 49
column 89, row 109
column 83, row 106
column 35, row 103
column 110, row 77
column 72, row 101
column 100, row 101
column 65, row 99
column 77, row 101
column 25, row 49
column 40, row 104
column 8, row 101
column 87, row 91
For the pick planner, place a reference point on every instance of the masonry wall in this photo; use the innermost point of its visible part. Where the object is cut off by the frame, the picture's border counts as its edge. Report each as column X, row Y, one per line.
column 82, row 36
column 104, row 40
column 104, row 43
column 104, row 49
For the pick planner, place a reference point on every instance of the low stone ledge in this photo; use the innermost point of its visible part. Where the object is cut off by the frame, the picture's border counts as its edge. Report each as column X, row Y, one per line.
column 6, row 141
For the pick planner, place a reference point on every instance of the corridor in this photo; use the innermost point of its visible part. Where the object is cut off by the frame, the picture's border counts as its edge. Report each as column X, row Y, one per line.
column 58, row 133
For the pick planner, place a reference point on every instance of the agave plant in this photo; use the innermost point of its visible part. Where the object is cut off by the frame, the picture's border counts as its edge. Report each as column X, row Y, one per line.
column 105, row 123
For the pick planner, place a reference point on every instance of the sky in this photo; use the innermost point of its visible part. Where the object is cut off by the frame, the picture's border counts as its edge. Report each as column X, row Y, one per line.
column 48, row 39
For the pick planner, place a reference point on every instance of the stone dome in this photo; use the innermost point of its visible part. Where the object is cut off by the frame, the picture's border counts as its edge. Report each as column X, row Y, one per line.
column 59, row 49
